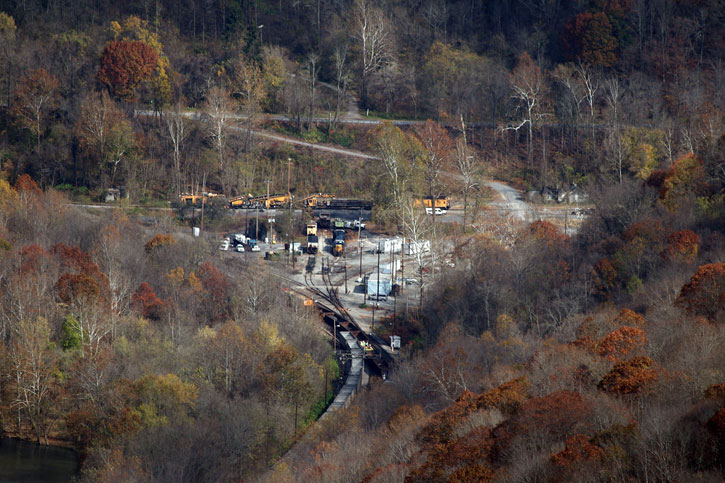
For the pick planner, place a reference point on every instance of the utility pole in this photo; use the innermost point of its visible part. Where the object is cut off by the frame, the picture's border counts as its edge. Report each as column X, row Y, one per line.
column 269, row 225
column 334, row 321
column 344, row 259
column 256, row 228
column 392, row 282
column 289, row 234
column 359, row 241
column 203, row 197
column 402, row 265
column 377, row 289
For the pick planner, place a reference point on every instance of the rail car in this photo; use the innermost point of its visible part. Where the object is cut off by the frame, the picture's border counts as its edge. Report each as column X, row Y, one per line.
column 324, row 221
column 343, row 204
column 279, row 200
column 312, row 201
column 312, row 244
column 196, row 199
column 338, row 242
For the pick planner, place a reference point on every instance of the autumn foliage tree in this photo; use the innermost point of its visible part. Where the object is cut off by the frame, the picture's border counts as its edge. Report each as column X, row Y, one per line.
column 629, row 377
column 682, row 246
column 630, row 318
column 216, row 286
column 124, row 66
column 547, row 232
column 704, row 294
column 27, row 189
column 578, row 457
column 604, row 277
column 147, row 303
column 135, row 29
column 684, row 179
column 588, row 37
column 621, row 343
column 544, row 419
column 159, row 240
column 35, row 97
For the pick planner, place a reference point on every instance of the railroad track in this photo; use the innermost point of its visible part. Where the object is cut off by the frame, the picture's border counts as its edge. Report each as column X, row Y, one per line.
column 334, row 312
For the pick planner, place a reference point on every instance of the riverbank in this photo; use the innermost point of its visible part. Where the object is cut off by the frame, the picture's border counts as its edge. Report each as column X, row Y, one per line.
column 24, row 461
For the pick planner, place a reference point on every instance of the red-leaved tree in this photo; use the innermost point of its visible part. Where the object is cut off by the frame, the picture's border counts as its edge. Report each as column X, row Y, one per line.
column 146, row 302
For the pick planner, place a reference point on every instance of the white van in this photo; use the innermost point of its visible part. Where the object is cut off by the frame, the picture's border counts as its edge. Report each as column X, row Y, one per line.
column 438, row 211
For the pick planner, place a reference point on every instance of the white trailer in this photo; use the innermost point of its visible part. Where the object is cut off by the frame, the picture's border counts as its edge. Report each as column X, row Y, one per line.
column 379, row 286
column 390, row 245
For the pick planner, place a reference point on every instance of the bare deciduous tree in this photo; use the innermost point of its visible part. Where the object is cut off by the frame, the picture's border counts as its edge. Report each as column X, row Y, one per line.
column 218, row 109
column 527, row 82
column 177, row 132
column 372, row 30
column 467, row 167
column 342, row 78
column 416, row 228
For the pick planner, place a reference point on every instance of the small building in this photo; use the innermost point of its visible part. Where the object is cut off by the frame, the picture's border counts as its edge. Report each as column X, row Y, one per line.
column 379, row 285
column 576, row 195
column 549, row 195
column 112, row 194
column 390, row 245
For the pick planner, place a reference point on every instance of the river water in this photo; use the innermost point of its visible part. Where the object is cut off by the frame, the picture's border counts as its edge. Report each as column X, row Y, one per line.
column 21, row 461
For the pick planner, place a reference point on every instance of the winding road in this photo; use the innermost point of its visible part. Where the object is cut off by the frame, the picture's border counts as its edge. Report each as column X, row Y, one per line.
column 510, row 198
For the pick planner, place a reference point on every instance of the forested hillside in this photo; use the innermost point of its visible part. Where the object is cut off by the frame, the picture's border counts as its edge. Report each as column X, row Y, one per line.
column 132, row 345
column 534, row 355
column 555, row 92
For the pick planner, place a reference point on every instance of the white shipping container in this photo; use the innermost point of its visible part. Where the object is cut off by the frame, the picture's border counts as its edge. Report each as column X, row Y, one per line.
column 389, row 245
column 379, row 285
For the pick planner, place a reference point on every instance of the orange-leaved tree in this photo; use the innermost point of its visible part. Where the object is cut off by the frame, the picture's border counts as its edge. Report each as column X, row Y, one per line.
column 682, row 246
column 125, row 65
column 577, row 448
column 622, row 343
column 547, row 232
column 629, row 377
column 704, row 294
column 630, row 318
column 159, row 240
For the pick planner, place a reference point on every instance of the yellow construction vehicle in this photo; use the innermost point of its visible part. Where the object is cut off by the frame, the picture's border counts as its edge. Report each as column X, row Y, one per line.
column 196, row 199
column 239, row 201
column 313, row 200
column 262, row 201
